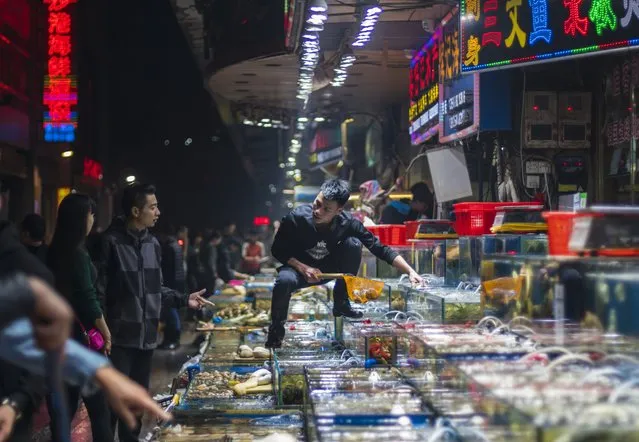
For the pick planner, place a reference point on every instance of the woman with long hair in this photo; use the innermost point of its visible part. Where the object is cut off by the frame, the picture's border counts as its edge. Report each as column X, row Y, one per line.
column 75, row 277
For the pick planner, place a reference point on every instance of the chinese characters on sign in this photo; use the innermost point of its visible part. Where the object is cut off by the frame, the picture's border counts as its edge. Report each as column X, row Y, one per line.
column 622, row 125
column 541, row 30
column 619, row 127
column 424, row 90
column 326, row 147
column 435, row 65
column 459, row 114
column 449, row 67
column 92, row 169
column 60, row 88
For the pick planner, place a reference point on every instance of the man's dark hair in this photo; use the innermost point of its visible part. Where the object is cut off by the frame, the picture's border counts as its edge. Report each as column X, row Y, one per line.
column 421, row 193
column 336, row 190
column 135, row 196
column 213, row 236
column 35, row 226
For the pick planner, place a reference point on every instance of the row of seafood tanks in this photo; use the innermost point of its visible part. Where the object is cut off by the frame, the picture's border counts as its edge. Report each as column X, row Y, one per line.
column 506, row 340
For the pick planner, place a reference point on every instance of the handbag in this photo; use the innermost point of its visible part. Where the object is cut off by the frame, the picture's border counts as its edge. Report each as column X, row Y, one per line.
column 93, row 337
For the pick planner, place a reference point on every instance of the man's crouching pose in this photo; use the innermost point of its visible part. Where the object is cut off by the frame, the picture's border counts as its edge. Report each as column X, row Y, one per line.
column 317, row 239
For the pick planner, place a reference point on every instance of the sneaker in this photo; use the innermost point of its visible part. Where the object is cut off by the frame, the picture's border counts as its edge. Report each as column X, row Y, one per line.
column 347, row 312
column 169, row 346
column 273, row 343
column 275, row 336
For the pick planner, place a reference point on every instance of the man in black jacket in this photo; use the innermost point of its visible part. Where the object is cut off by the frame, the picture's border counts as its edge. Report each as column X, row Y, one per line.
column 174, row 278
column 317, row 239
column 130, row 281
column 32, row 231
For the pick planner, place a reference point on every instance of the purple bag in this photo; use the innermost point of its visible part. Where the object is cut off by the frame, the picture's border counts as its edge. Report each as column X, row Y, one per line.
column 93, row 337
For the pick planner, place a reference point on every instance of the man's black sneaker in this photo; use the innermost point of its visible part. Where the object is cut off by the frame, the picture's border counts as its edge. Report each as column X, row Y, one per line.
column 169, row 346
column 348, row 313
column 273, row 343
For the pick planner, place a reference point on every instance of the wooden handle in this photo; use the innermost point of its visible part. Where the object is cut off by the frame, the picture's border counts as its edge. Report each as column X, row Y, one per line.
column 331, row 276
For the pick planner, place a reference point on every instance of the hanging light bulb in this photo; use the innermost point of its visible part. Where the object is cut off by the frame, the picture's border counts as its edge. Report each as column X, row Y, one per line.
column 318, row 6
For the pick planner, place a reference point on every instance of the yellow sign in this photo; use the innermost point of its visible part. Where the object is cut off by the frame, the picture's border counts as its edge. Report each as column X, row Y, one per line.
column 62, row 193
column 425, row 102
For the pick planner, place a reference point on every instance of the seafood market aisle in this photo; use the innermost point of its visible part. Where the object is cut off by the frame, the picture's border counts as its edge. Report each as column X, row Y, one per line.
column 168, row 362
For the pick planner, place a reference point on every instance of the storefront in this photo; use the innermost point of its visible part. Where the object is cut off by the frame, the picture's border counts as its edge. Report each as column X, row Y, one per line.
column 564, row 51
column 448, row 107
column 621, row 128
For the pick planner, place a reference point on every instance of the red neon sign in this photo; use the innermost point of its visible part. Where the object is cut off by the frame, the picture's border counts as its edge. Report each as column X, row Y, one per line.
column 60, row 86
column 92, row 169
column 261, row 221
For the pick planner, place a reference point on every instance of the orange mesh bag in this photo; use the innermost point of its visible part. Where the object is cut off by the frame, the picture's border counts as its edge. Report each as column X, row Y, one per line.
column 360, row 290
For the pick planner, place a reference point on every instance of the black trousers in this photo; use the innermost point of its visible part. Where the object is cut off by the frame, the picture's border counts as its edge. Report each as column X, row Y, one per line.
column 135, row 364
column 346, row 259
column 97, row 408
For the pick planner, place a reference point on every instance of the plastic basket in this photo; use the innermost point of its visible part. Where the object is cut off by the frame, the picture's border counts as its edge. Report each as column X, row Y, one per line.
column 390, row 234
column 559, row 231
column 475, row 218
column 411, row 229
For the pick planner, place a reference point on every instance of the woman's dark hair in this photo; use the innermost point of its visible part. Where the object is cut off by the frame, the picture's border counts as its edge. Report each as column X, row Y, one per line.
column 69, row 236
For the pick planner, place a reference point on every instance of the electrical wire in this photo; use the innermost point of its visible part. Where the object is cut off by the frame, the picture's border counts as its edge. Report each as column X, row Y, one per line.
column 521, row 137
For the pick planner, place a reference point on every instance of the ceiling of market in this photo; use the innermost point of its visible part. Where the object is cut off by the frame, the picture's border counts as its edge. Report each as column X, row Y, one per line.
column 379, row 77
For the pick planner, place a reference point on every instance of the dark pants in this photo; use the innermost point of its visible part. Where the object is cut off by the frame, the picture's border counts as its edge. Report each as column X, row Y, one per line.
column 345, row 259
column 97, row 408
column 135, row 364
column 172, row 325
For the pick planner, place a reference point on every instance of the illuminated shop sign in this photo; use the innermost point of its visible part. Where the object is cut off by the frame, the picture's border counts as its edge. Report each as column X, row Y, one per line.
column 326, row 147
column 500, row 33
column 424, row 91
column 92, row 169
column 459, row 95
column 622, row 124
column 459, row 115
column 436, row 64
column 60, row 85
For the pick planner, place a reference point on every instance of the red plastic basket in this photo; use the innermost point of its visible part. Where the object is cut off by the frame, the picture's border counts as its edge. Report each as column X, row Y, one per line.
column 475, row 218
column 559, row 231
column 375, row 231
column 411, row 229
column 390, row 234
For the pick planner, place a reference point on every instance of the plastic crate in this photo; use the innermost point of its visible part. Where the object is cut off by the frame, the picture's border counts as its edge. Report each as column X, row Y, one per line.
column 390, row 234
column 411, row 229
column 476, row 218
column 559, row 231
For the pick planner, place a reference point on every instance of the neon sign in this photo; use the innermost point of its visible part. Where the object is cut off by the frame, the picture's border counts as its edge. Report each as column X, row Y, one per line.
column 92, row 169
column 459, row 115
column 60, row 85
column 501, row 33
column 424, row 90
column 261, row 221
column 326, row 147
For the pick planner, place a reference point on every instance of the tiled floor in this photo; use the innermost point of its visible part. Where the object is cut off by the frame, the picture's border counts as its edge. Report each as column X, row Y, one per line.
column 165, row 366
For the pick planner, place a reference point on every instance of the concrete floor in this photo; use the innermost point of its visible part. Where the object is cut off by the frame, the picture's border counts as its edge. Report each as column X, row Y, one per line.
column 167, row 363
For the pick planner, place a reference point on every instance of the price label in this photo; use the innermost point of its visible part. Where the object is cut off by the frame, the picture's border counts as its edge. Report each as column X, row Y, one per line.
column 499, row 219
column 580, row 233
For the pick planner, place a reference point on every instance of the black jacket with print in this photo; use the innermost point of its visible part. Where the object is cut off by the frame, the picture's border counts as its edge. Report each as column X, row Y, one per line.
column 298, row 238
column 130, row 282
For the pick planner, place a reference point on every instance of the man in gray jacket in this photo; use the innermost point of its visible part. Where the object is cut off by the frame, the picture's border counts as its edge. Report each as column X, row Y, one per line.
column 130, row 281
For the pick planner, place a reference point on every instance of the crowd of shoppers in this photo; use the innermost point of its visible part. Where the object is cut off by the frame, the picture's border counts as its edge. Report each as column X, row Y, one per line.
column 102, row 317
